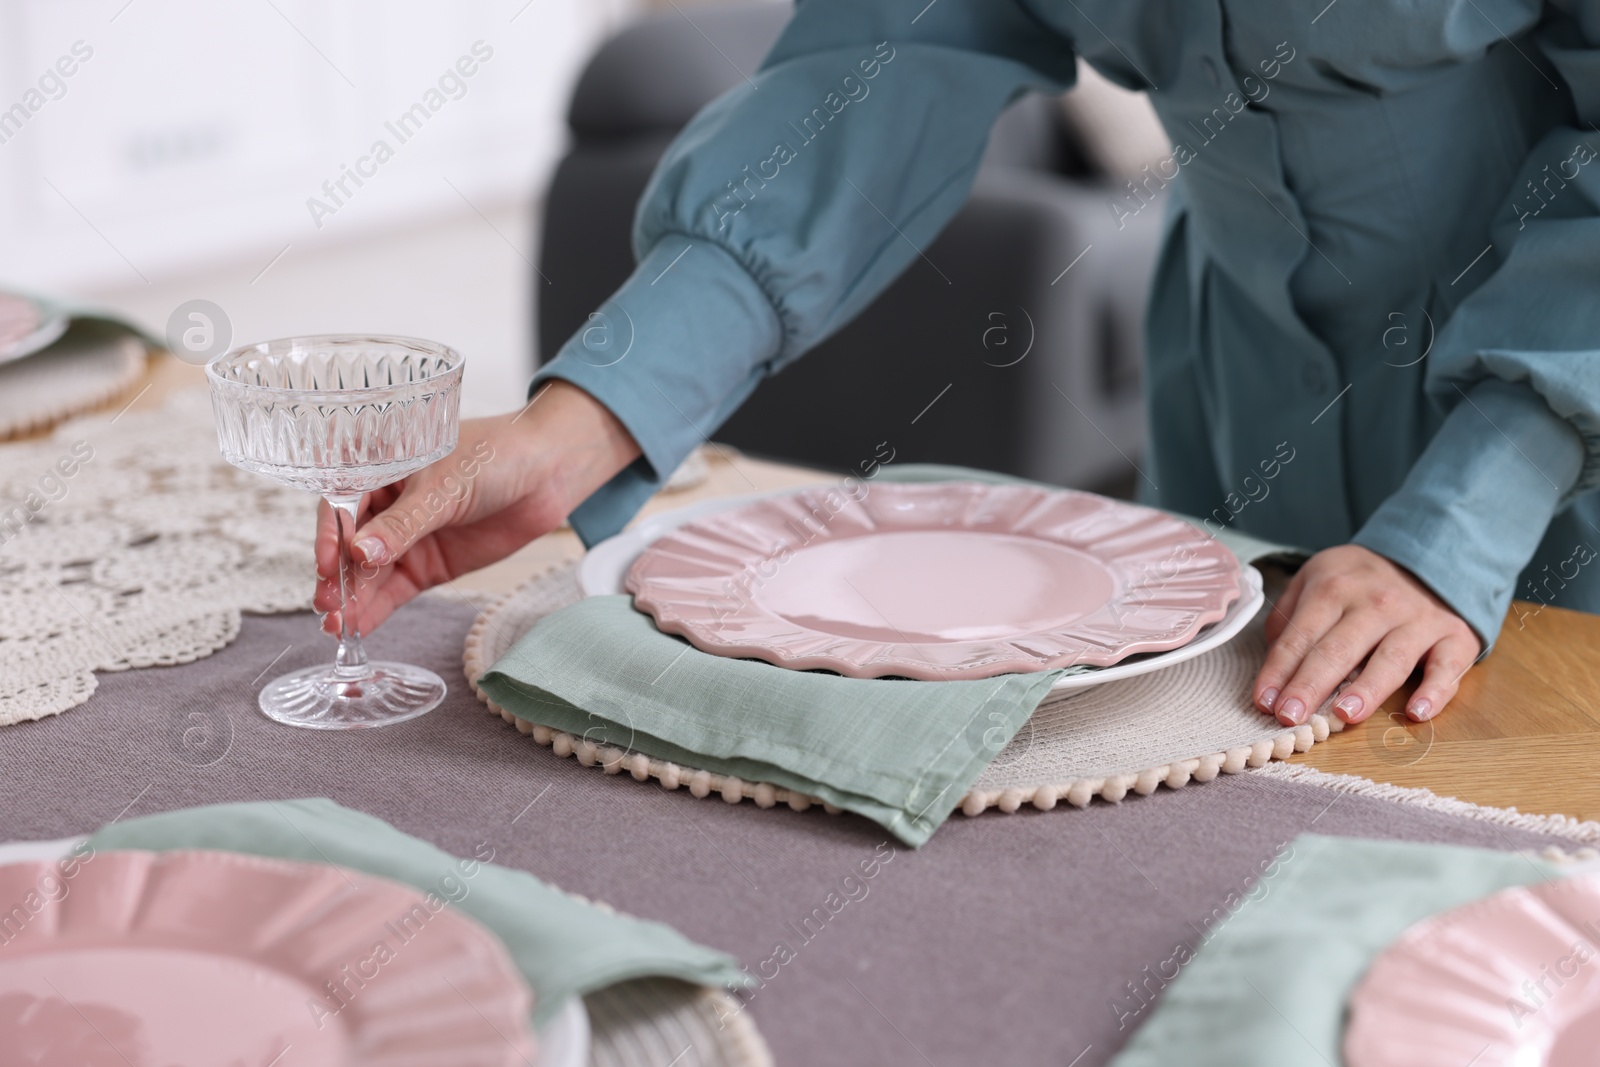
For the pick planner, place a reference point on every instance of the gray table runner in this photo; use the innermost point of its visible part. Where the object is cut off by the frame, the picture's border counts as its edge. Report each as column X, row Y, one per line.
column 1006, row 939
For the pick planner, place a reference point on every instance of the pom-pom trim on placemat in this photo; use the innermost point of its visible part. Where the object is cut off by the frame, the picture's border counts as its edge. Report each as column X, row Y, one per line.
column 76, row 376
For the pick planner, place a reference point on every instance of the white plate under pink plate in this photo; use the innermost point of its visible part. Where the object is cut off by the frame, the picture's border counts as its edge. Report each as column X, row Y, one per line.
column 142, row 959
column 1512, row 980
column 932, row 580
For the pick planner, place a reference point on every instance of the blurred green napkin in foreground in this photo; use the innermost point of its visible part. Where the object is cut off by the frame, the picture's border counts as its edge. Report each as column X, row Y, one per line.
column 562, row 945
column 900, row 752
column 1268, row 986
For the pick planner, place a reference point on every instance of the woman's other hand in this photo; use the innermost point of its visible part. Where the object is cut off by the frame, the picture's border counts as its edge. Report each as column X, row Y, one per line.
column 1348, row 605
column 510, row 479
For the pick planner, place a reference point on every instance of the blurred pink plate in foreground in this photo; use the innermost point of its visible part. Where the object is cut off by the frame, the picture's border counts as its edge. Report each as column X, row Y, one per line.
column 1512, row 979
column 141, row 959
column 936, row 581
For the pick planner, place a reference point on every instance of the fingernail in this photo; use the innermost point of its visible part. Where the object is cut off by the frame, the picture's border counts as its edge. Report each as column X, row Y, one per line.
column 1421, row 709
column 1349, row 706
column 372, row 549
column 1293, row 710
column 1269, row 696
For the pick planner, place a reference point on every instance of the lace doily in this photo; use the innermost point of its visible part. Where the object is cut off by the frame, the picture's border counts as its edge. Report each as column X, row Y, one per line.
column 126, row 541
column 1189, row 722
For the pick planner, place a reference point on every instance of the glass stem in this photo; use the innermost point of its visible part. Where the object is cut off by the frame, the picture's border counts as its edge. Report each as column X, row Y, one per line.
column 350, row 662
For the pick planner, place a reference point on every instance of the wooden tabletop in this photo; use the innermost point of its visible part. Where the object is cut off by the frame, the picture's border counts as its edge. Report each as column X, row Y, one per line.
column 1523, row 732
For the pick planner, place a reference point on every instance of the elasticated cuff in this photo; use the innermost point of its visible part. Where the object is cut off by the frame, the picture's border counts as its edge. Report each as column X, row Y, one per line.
column 680, row 346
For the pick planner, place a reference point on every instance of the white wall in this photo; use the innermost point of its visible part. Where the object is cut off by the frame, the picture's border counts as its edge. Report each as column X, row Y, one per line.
column 450, row 279
column 178, row 158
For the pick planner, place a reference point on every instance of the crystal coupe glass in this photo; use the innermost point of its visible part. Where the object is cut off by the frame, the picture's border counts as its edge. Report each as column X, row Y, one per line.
column 340, row 416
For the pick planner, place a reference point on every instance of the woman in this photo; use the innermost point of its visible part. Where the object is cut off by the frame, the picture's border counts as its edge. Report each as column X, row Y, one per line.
column 1340, row 171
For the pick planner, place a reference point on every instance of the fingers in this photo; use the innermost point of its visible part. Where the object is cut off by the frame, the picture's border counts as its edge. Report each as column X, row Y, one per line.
column 327, row 543
column 325, row 598
column 382, row 599
column 1391, row 656
column 419, row 508
column 327, row 539
column 1441, row 677
column 361, row 593
column 1328, row 661
column 396, row 551
column 1386, row 669
column 1297, row 635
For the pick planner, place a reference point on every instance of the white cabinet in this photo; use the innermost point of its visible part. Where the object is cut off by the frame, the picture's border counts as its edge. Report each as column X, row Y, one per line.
column 196, row 131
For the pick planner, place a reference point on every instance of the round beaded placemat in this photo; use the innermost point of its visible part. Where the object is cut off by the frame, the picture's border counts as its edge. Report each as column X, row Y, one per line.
column 1189, row 722
column 78, row 373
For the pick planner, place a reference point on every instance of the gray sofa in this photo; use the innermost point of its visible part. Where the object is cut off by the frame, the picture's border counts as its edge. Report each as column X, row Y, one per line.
column 1037, row 373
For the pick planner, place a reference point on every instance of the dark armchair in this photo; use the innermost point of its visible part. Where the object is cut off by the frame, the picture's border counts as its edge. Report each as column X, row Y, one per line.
column 1014, row 343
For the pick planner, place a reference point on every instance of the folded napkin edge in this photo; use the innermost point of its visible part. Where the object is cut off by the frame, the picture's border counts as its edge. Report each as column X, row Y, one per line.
column 775, row 774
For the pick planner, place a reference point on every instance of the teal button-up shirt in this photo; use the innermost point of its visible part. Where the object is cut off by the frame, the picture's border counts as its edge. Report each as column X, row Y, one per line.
column 1376, row 313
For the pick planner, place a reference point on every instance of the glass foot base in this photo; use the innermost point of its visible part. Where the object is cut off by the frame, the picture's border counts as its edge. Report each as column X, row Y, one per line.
column 318, row 699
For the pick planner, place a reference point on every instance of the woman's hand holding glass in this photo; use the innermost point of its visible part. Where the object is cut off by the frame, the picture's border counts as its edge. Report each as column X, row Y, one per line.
column 512, row 478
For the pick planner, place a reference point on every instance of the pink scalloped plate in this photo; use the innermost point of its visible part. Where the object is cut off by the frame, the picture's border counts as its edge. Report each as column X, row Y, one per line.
column 1512, row 979
column 142, row 959
column 936, row 581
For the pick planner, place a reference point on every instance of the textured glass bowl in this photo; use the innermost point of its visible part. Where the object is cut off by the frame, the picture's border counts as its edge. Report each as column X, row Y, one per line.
column 340, row 416
column 336, row 415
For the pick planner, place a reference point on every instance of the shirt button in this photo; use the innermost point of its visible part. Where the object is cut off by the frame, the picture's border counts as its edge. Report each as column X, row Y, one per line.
column 1314, row 377
column 1211, row 70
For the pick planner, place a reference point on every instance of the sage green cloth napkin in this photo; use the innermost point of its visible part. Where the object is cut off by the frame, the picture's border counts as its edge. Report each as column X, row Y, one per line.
column 1268, row 986
column 83, row 317
column 562, row 945
column 78, row 312
column 902, row 753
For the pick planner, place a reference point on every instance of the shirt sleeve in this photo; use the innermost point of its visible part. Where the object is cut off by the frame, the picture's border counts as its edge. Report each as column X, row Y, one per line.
column 787, row 205
column 1518, row 368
